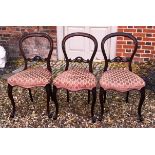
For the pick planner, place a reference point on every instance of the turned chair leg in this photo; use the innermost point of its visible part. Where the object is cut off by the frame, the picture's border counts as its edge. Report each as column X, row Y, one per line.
column 12, row 100
column 67, row 95
column 102, row 101
column 142, row 98
column 127, row 97
column 55, row 102
column 88, row 96
column 93, row 105
column 30, row 94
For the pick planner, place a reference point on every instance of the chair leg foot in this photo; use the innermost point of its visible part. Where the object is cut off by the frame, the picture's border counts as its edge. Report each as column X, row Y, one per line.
column 52, row 115
column 93, row 105
column 100, row 118
column 55, row 116
column 142, row 98
column 139, row 118
column 93, row 119
column 12, row 115
column 12, row 101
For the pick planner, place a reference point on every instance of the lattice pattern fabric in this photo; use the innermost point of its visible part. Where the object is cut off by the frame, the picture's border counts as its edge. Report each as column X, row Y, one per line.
column 75, row 79
column 121, row 80
column 36, row 46
column 31, row 77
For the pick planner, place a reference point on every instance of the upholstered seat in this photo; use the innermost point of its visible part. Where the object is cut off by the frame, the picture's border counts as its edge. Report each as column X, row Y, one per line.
column 31, row 77
column 75, row 79
column 121, row 80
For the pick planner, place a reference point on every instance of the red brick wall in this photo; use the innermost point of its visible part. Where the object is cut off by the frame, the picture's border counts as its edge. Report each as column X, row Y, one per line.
column 146, row 39
column 10, row 35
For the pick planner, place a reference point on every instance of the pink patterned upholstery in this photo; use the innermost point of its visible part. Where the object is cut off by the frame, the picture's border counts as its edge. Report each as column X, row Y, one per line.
column 31, row 77
column 75, row 79
column 121, row 80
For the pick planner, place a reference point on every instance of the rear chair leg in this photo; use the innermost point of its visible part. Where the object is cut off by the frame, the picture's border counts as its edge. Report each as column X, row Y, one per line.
column 142, row 98
column 88, row 96
column 67, row 95
column 12, row 100
column 30, row 94
column 102, row 101
column 93, row 105
column 127, row 97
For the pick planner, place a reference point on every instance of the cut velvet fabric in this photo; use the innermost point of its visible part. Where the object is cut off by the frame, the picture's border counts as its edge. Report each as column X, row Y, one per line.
column 121, row 80
column 31, row 77
column 75, row 79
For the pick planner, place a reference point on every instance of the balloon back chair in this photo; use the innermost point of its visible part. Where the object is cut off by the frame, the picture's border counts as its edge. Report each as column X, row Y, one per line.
column 77, row 79
column 122, row 80
column 33, row 47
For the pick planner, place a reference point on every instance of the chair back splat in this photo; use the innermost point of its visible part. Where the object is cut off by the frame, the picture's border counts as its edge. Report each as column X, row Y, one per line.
column 80, row 59
column 36, row 47
column 119, row 59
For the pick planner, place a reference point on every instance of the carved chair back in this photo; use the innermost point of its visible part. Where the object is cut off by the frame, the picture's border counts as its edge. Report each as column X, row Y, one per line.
column 36, row 47
column 119, row 59
column 79, row 58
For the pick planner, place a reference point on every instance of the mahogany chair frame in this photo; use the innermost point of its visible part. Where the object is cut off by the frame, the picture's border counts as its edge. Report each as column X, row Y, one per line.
column 120, row 59
column 36, row 58
column 79, row 60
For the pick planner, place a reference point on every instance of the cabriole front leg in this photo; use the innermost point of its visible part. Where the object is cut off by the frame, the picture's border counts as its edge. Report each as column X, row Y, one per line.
column 48, row 91
column 142, row 98
column 12, row 100
column 102, row 101
column 55, row 102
